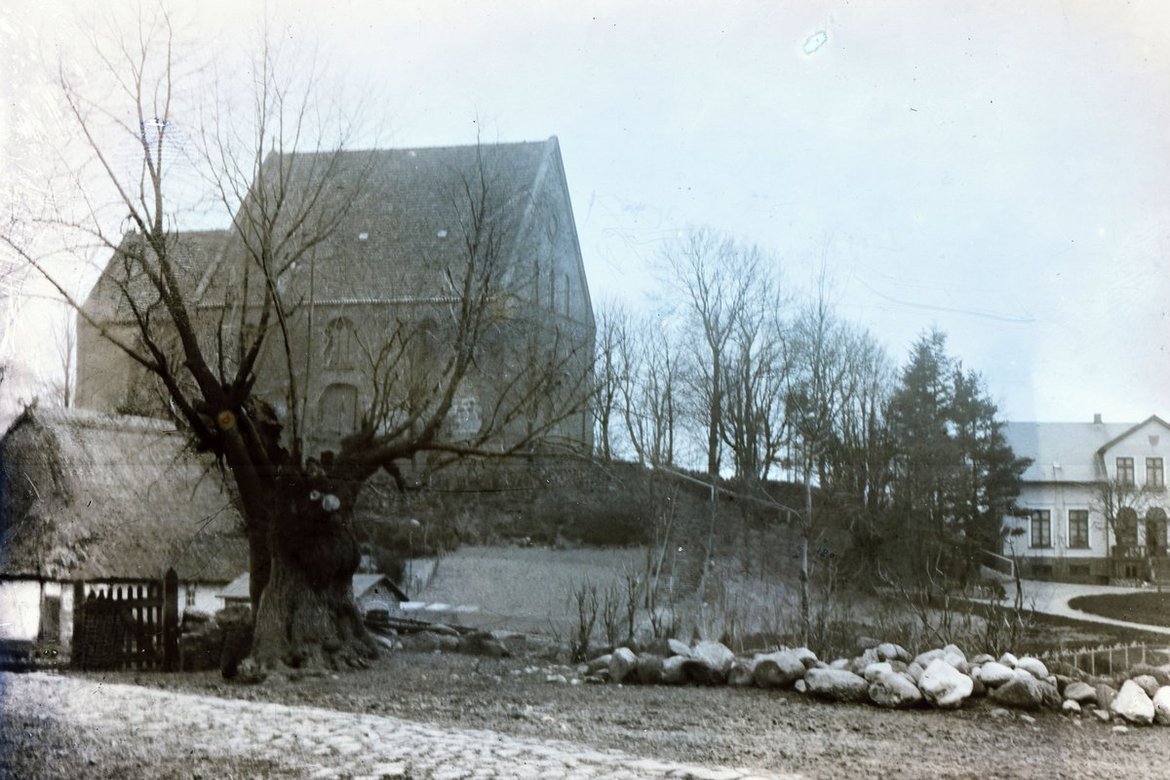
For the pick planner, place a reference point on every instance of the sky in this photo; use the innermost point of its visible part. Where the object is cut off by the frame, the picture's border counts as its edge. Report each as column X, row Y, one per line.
column 997, row 170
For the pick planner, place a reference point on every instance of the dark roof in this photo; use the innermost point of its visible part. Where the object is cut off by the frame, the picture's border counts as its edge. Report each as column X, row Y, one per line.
column 405, row 225
column 88, row 496
column 192, row 253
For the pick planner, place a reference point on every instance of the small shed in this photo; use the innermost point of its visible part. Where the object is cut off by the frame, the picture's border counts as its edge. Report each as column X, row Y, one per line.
column 106, row 499
column 370, row 591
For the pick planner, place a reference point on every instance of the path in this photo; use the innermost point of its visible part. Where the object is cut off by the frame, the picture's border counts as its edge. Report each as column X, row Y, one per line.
column 1052, row 598
column 311, row 742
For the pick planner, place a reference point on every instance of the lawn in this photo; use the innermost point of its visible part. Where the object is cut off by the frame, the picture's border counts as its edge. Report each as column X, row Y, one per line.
column 1149, row 608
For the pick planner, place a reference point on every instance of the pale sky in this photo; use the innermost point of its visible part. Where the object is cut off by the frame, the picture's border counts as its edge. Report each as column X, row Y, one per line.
column 1000, row 170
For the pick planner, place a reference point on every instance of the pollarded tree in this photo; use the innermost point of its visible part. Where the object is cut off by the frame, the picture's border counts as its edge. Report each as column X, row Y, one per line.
column 210, row 336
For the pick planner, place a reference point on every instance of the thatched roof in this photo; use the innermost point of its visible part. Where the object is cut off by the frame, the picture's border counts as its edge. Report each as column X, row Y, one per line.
column 85, row 496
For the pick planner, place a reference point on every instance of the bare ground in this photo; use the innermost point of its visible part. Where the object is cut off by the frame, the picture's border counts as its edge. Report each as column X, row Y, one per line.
column 773, row 731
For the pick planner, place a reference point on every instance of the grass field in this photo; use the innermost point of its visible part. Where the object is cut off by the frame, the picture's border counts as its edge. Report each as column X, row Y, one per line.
column 1150, row 608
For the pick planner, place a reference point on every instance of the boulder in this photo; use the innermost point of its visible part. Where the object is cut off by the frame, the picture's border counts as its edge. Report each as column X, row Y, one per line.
column 981, row 659
column 837, row 685
column 1070, row 707
column 915, row 671
column 430, row 642
column 859, row 664
column 1033, row 666
column 678, row 647
column 621, row 663
column 943, row 685
column 894, row 690
column 806, row 657
column 1008, row 660
column 1022, row 692
column 741, row 673
column 1159, row 673
column 888, row 651
column 649, row 669
column 956, row 658
column 778, row 670
column 1105, row 695
column 1102, row 715
column 874, row 670
column 841, row 663
column 1080, row 692
column 1148, row 683
column 714, row 654
column 924, row 659
column 672, row 670
column 994, row 674
column 700, row 672
column 598, row 663
column 1162, row 706
column 1133, row 704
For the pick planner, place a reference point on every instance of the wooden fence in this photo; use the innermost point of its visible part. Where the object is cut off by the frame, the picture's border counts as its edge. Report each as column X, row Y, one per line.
column 118, row 627
column 1109, row 659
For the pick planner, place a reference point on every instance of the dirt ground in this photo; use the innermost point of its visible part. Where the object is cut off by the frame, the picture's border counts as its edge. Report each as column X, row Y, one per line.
column 774, row 731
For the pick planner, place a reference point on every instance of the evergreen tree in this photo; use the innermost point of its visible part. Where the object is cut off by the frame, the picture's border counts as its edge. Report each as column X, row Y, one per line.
column 955, row 476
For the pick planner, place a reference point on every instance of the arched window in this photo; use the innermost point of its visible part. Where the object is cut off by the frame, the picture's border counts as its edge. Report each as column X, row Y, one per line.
column 1127, row 520
column 337, row 410
column 340, row 344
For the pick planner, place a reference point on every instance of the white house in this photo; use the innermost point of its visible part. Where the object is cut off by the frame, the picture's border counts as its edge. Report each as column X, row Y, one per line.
column 1093, row 502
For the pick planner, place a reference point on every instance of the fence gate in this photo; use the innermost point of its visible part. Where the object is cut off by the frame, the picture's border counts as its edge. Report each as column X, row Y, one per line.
column 126, row 627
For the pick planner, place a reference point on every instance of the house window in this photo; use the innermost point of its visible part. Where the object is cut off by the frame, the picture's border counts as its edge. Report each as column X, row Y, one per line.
column 340, row 343
column 1125, row 471
column 1078, row 528
column 1156, row 531
column 190, row 594
column 1126, row 529
column 1041, row 528
column 1155, row 473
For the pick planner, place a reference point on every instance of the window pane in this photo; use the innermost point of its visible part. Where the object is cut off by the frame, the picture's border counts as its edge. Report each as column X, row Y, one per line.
column 1078, row 528
column 1041, row 528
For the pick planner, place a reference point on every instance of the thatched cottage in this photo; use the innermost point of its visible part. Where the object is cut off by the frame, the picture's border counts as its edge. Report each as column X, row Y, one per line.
column 392, row 263
column 85, row 497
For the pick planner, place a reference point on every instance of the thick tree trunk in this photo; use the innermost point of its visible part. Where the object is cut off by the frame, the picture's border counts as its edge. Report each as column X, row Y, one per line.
column 304, row 614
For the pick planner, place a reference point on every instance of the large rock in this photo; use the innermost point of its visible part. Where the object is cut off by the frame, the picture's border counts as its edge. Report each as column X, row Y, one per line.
column 678, row 647
column 1162, row 706
column 1105, row 695
column 894, row 690
column 994, row 674
column 1008, row 660
column 700, row 672
column 923, row 659
column 741, row 673
column 1148, row 683
column 888, row 651
column 714, row 654
column 1080, row 692
column 483, row 643
column 837, row 685
column 672, row 670
column 1133, row 704
column 778, row 670
column 875, row 670
column 1033, row 666
column 1021, row 691
column 649, row 669
column 806, row 656
column 944, row 686
column 598, row 663
column 621, row 663
column 859, row 663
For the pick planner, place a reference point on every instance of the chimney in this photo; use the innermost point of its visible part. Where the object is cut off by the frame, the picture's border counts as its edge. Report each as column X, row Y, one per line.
column 1097, row 418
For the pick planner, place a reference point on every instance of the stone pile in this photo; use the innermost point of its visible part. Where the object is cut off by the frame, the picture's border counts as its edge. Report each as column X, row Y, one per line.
column 887, row 675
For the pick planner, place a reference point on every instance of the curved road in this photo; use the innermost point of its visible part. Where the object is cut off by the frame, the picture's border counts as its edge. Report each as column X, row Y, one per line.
column 1052, row 598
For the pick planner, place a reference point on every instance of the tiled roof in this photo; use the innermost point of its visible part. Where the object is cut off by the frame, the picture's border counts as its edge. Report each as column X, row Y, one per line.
column 1061, row 452
column 193, row 252
column 405, row 227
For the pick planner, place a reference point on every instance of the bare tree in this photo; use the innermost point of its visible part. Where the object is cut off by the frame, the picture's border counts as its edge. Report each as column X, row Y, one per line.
column 716, row 277
column 651, row 389
column 289, row 183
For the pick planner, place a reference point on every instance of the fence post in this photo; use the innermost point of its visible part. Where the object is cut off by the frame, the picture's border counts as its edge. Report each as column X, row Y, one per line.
column 171, row 621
